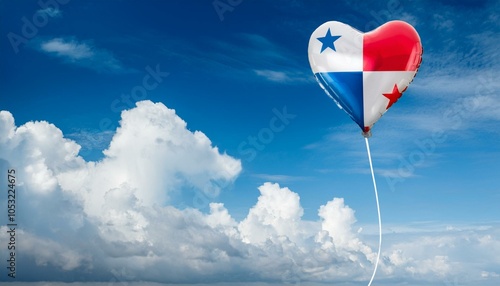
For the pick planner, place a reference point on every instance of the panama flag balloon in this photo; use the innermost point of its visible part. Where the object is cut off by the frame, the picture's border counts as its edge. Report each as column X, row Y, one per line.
column 365, row 73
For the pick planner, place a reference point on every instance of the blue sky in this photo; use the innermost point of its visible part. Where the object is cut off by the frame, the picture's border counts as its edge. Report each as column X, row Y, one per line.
column 233, row 70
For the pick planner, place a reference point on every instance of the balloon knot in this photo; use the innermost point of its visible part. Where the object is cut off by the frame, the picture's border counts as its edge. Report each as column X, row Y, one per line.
column 366, row 134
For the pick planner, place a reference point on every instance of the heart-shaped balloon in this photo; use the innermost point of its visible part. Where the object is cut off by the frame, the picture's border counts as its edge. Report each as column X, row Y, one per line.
column 365, row 73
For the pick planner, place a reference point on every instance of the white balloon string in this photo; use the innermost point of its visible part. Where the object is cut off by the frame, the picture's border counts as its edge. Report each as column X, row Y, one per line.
column 378, row 211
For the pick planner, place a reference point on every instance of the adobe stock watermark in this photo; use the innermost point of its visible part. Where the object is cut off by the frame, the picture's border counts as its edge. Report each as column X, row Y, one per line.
column 210, row 191
column 151, row 79
column 247, row 150
column 451, row 283
column 462, row 279
column 393, row 10
column 291, row 276
column 223, row 6
column 454, row 118
column 249, row 147
column 119, row 278
column 39, row 19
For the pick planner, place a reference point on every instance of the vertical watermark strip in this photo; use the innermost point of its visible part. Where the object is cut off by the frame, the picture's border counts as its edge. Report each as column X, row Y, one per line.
column 11, row 224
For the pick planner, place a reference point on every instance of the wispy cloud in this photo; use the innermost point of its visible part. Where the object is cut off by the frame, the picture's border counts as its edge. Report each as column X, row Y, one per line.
column 285, row 76
column 82, row 53
column 244, row 57
column 277, row 76
column 279, row 178
column 268, row 59
column 71, row 49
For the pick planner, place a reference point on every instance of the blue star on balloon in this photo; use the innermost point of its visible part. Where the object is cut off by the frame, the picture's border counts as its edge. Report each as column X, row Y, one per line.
column 328, row 41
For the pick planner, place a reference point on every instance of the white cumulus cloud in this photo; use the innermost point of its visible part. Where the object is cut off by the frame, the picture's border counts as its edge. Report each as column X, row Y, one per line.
column 277, row 214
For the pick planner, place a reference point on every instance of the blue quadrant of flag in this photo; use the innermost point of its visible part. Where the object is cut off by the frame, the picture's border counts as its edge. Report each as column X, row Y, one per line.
column 346, row 88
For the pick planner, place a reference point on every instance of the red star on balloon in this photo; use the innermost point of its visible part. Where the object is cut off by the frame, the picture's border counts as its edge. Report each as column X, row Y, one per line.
column 394, row 96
